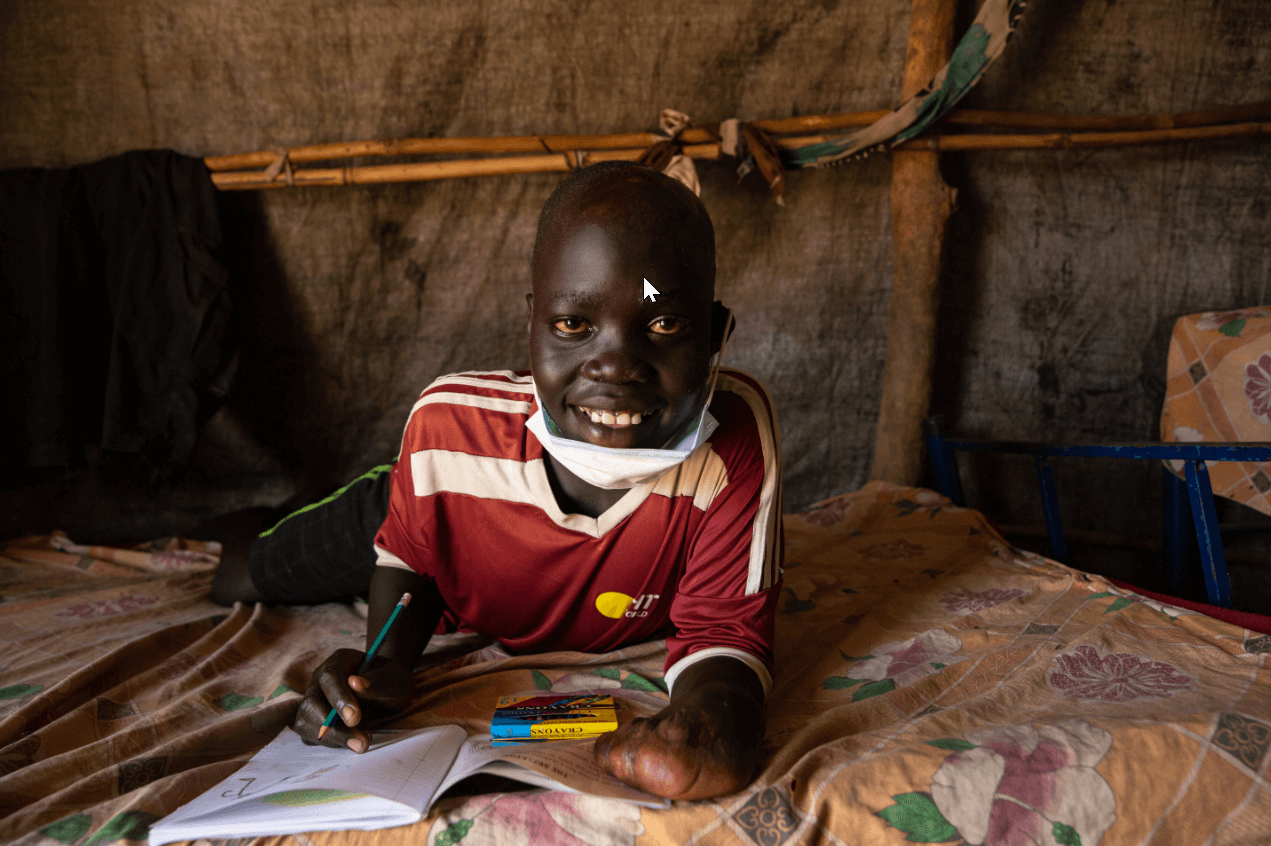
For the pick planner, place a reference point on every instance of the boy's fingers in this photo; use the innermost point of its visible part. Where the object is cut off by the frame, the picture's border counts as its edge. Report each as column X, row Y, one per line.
column 332, row 679
column 339, row 696
column 342, row 737
column 354, row 739
column 388, row 685
column 308, row 724
column 328, row 686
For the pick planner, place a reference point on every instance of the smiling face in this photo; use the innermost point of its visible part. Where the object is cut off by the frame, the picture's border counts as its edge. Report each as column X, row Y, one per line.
column 615, row 365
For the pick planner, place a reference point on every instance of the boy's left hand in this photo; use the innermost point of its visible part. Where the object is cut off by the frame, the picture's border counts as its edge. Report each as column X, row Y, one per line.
column 705, row 743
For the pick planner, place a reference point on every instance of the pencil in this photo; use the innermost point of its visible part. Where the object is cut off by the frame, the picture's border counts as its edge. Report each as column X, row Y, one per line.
column 370, row 656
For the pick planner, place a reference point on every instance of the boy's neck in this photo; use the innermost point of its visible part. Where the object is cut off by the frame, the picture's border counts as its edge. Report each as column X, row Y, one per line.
column 573, row 495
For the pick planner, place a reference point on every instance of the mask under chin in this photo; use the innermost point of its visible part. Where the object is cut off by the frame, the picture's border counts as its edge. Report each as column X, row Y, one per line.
column 614, row 468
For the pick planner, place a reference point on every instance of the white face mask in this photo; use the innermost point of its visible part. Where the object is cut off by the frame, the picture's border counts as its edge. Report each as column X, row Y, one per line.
column 618, row 469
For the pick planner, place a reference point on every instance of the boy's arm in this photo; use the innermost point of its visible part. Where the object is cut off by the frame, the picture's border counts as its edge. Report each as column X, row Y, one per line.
column 389, row 685
column 705, row 743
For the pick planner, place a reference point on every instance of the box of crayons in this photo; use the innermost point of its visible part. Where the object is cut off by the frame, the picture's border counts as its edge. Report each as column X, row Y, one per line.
column 532, row 718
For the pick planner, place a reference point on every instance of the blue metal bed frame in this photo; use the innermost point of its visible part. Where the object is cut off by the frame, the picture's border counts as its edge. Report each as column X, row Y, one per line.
column 1195, row 495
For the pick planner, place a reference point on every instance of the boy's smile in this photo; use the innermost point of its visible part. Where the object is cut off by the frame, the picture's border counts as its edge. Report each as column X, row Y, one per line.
column 614, row 366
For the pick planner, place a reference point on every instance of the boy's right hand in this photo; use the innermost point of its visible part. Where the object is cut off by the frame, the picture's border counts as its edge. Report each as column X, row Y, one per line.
column 386, row 688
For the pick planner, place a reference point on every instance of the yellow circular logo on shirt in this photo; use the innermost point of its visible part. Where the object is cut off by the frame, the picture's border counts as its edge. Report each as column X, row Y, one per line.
column 613, row 604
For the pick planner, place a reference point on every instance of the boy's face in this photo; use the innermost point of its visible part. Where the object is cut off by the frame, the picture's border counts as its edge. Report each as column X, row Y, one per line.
column 616, row 366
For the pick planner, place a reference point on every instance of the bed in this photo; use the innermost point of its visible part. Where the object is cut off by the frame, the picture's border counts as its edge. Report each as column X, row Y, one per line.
column 933, row 684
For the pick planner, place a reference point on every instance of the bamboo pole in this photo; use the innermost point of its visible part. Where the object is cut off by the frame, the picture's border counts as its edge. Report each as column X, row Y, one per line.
column 708, row 134
column 436, row 146
column 1110, row 123
column 1084, row 140
column 561, row 162
column 920, row 206
column 427, row 171
column 413, row 172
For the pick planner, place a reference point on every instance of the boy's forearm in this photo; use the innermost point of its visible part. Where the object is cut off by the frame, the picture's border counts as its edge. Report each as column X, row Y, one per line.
column 410, row 634
column 720, row 670
column 731, row 698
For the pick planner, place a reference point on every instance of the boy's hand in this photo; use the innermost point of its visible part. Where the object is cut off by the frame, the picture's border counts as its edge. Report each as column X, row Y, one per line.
column 386, row 688
column 389, row 685
column 705, row 743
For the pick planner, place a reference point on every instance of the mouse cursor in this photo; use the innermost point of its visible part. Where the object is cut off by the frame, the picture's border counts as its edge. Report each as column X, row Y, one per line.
column 650, row 293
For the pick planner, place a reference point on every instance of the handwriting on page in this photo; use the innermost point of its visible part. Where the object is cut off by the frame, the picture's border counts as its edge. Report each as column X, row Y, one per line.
column 252, row 785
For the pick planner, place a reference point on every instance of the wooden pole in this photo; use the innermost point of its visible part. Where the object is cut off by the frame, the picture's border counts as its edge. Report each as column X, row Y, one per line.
column 247, row 180
column 1086, row 140
column 709, row 134
column 242, row 180
column 920, row 207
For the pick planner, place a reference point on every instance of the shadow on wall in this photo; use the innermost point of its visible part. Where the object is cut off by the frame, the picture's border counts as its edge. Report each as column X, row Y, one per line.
column 258, row 448
column 275, row 400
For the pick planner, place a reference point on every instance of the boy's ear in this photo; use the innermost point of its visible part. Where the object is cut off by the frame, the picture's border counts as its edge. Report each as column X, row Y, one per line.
column 722, row 325
column 529, row 311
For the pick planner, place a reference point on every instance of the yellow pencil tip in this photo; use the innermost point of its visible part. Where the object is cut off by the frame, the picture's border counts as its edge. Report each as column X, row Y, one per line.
column 322, row 732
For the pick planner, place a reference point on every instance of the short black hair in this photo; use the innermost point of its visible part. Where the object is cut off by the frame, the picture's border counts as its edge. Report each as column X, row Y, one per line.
column 583, row 180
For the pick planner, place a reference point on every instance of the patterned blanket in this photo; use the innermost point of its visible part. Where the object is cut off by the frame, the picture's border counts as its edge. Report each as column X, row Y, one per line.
column 933, row 685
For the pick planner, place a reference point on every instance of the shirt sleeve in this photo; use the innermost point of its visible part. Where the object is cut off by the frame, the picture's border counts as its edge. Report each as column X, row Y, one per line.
column 402, row 540
column 726, row 599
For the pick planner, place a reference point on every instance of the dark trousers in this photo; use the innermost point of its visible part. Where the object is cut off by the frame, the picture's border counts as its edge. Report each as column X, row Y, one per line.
column 324, row 551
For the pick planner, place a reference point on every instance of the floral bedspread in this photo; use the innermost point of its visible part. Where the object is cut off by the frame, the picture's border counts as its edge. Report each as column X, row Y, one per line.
column 933, row 685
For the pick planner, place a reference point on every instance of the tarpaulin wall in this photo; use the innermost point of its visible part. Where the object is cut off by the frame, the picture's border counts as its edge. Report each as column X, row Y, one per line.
column 1064, row 269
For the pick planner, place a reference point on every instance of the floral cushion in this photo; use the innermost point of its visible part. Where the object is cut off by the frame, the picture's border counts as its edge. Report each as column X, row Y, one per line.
column 1219, row 389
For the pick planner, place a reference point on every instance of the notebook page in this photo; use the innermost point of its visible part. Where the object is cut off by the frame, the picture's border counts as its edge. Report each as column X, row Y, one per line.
column 272, row 815
column 404, row 768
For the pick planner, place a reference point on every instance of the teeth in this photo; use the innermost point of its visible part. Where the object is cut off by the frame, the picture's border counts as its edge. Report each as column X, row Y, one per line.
column 609, row 418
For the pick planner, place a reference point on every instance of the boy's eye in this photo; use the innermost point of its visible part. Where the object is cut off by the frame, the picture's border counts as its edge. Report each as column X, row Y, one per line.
column 667, row 326
column 570, row 325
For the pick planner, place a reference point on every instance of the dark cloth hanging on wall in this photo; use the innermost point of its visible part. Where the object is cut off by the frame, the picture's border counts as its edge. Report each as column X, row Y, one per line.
column 114, row 309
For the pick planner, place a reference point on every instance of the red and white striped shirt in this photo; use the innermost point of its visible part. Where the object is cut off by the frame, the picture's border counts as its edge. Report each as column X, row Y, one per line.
column 695, row 553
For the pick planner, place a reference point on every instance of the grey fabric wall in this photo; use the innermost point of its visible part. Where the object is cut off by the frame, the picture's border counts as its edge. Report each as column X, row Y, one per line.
column 1065, row 268
column 1068, row 268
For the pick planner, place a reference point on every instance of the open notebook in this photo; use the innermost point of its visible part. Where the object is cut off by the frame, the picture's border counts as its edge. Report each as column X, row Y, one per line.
column 289, row 787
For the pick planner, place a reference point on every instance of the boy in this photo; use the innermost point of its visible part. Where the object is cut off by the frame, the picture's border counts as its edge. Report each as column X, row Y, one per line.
column 596, row 502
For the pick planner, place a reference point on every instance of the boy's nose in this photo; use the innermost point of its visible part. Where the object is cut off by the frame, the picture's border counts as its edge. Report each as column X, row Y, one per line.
column 616, row 365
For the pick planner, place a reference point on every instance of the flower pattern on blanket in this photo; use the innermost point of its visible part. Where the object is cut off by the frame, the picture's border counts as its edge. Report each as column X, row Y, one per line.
column 898, row 663
column 644, row 695
column 826, row 514
column 106, row 607
column 1258, row 387
column 1088, row 672
column 1124, row 599
column 1230, row 323
column 898, row 549
column 1015, row 785
column 971, row 601
column 923, row 502
column 538, row 818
